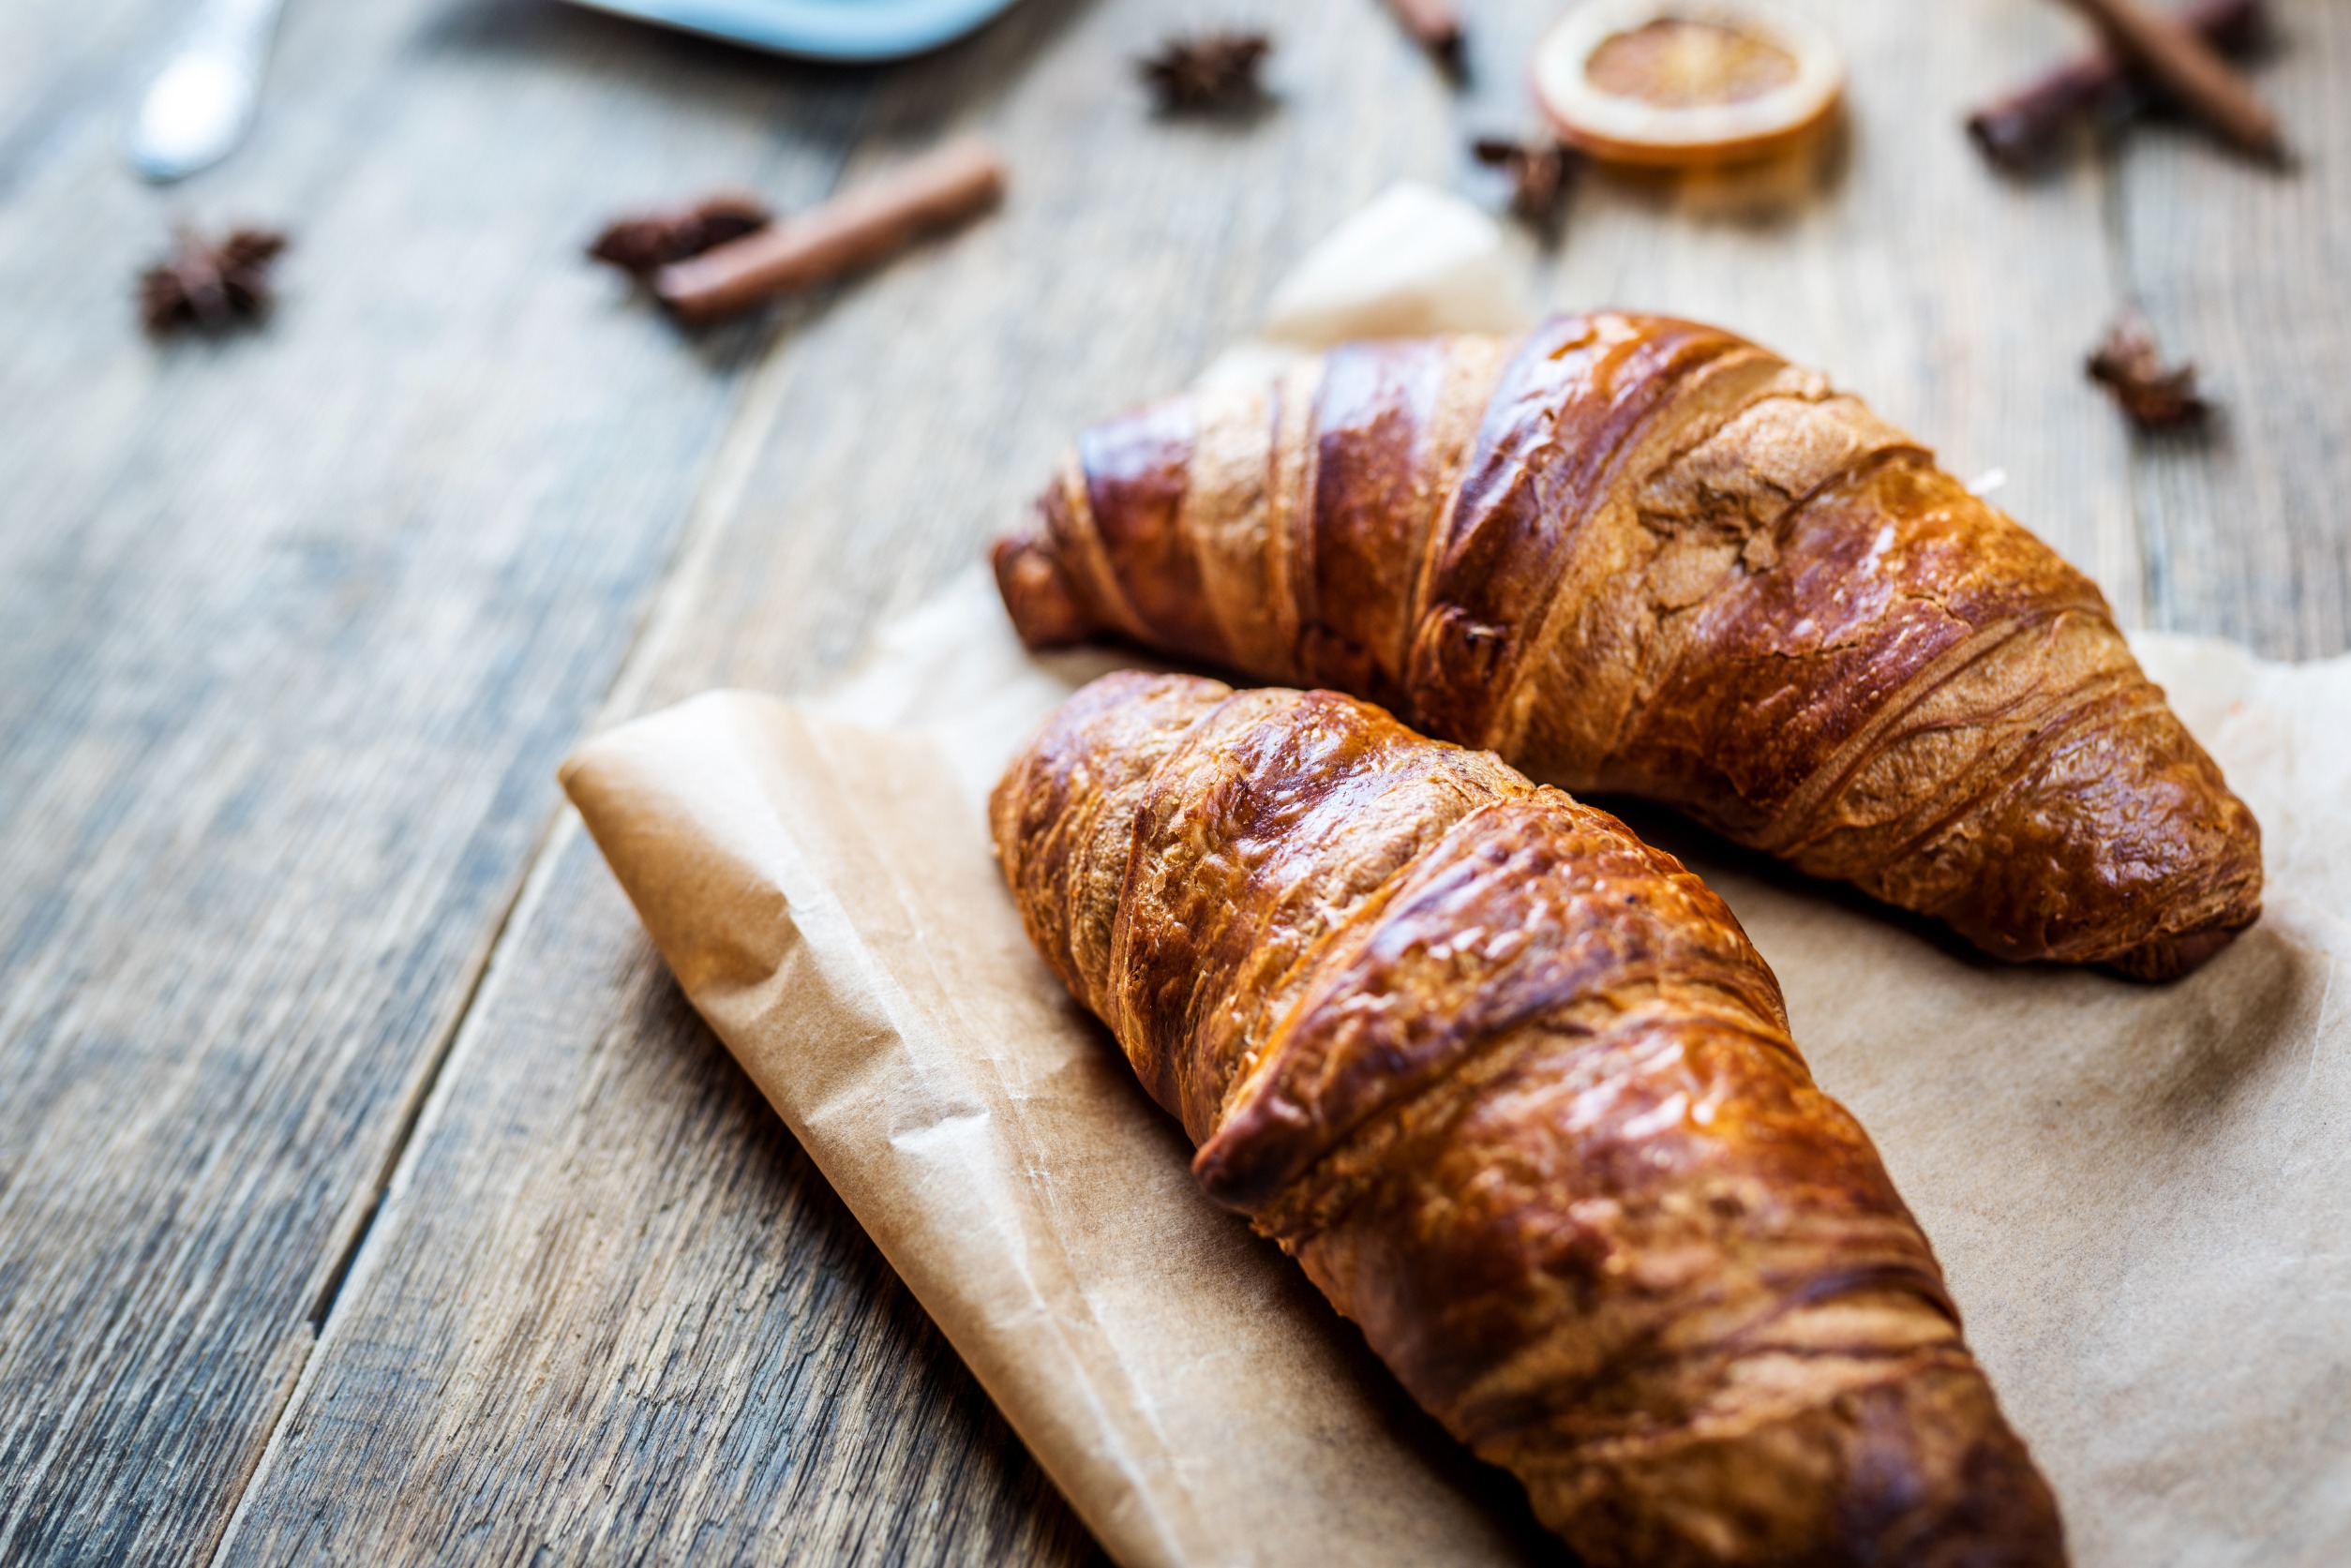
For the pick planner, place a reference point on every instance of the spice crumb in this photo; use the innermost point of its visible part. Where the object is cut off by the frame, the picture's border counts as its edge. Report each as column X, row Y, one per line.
column 643, row 244
column 1202, row 70
column 2129, row 364
column 210, row 285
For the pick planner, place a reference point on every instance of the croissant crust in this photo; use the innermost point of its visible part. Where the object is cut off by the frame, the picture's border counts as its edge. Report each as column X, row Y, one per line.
column 1637, row 555
column 1518, row 1093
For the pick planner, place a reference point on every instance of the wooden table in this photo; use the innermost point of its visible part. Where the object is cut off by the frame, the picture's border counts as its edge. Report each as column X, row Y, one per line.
column 367, row 1191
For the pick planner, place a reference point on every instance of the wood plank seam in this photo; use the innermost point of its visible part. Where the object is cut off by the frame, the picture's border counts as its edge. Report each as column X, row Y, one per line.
column 730, row 470
column 426, row 1085
column 2114, row 231
column 538, row 872
column 715, row 499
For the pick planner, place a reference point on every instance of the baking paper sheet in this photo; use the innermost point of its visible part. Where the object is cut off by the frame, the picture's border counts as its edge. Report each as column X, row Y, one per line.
column 2139, row 1193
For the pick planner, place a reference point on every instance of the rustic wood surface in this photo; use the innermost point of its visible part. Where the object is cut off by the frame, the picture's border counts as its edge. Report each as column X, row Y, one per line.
column 366, row 1193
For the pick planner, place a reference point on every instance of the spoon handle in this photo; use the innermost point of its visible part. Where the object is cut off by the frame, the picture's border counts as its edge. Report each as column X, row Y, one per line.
column 198, row 105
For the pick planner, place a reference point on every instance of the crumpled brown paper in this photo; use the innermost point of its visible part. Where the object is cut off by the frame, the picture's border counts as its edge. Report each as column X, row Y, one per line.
column 2141, row 1195
column 827, row 898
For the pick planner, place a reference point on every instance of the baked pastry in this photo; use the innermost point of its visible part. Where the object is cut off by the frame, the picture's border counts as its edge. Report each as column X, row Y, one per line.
column 1518, row 1094
column 1638, row 554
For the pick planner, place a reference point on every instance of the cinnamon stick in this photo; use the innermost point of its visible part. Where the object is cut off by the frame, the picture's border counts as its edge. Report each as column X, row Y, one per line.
column 850, row 231
column 2188, row 67
column 2022, row 125
column 1434, row 24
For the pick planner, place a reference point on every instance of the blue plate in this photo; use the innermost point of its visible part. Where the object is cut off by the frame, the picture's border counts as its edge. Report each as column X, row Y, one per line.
column 819, row 29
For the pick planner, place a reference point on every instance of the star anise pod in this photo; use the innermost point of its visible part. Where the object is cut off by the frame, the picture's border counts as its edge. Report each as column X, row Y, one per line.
column 642, row 246
column 1200, row 71
column 1540, row 173
column 2130, row 365
column 207, row 284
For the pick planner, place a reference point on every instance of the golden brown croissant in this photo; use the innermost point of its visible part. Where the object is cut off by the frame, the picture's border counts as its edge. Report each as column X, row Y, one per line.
column 1635, row 554
column 1519, row 1094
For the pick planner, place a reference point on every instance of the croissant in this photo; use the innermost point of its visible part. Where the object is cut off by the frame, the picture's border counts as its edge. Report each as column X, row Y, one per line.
column 1636, row 555
column 1518, row 1094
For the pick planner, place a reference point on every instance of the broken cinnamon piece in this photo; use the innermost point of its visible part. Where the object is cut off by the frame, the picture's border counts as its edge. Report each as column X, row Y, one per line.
column 2130, row 365
column 643, row 244
column 1205, row 70
column 209, row 285
column 847, row 233
column 1434, row 24
column 2021, row 127
column 2189, row 70
column 1540, row 171
column 2025, row 125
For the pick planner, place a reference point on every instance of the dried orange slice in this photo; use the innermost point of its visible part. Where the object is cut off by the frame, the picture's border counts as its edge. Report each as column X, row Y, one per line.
column 1684, row 81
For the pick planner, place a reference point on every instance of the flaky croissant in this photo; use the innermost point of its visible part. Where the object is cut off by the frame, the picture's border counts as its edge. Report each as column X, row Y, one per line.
column 1519, row 1094
column 1639, row 555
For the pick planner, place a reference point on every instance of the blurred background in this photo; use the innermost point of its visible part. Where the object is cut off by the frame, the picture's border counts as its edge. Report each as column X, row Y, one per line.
column 365, row 1189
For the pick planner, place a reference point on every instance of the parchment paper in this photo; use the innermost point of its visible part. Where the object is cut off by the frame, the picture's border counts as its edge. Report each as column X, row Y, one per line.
column 2139, row 1193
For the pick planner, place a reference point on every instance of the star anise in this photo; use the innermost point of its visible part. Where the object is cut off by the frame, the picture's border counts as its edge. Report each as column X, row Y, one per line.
column 207, row 284
column 1200, row 71
column 642, row 246
column 1540, row 173
column 2130, row 365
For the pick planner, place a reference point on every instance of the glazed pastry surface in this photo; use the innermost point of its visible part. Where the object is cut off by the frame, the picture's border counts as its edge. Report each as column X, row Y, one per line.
column 1518, row 1093
column 1638, row 554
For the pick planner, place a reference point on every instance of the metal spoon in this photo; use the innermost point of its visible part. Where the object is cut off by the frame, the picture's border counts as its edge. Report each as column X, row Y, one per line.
column 198, row 105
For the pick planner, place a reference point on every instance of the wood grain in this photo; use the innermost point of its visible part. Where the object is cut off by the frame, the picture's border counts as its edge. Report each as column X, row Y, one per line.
column 67, row 68
column 298, row 622
column 618, row 1315
column 2241, row 270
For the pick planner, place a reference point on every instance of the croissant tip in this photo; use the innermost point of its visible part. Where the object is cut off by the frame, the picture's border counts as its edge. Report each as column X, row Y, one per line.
column 1230, row 1176
column 1038, row 595
column 2170, row 957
